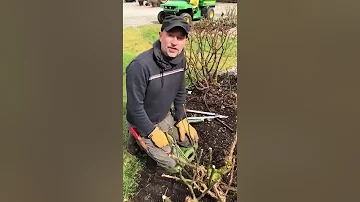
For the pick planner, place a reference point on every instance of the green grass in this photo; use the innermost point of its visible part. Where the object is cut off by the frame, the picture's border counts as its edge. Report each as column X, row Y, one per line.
column 131, row 168
column 132, row 165
column 127, row 58
column 151, row 33
column 231, row 54
column 135, row 41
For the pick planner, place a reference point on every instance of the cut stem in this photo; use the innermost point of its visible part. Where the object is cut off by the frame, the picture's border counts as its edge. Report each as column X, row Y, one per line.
column 188, row 185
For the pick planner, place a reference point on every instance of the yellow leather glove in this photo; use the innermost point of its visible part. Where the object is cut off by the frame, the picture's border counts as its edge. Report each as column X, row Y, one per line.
column 159, row 138
column 185, row 128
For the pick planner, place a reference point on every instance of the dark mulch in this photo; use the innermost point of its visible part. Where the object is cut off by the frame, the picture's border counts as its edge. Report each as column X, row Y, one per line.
column 219, row 99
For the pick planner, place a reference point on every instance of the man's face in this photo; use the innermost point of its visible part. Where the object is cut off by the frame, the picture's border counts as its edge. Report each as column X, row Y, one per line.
column 173, row 41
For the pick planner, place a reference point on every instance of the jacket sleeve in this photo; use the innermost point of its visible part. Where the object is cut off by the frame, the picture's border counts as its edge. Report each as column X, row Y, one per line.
column 136, row 83
column 180, row 99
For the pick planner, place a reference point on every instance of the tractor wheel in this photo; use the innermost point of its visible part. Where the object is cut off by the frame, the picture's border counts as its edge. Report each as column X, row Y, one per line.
column 204, row 12
column 187, row 17
column 210, row 13
column 141, row 3
column 161, row 17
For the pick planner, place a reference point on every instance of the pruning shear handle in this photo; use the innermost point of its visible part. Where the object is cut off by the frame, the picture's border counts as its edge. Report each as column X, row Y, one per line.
column 201, row 119
column 140, row 139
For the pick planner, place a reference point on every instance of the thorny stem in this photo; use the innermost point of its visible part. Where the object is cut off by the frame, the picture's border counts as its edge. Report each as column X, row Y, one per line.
column 188, row 174
column 192, row 143
column 188, row 185
column 174, row 178
column 182, row 162
column 218, row 194
column 197, row 163
column 212, row 47
column 230, row 189
column 211, row 175
column 194, row 174
column 188, row 125
column 200, row 155
column 210, row 43
column 223, row 186
column 232, row 147
column 170, row 176
column 195, row 60
column 231, row 158
column 231, row 177
column 206, row 191
column 210, row 158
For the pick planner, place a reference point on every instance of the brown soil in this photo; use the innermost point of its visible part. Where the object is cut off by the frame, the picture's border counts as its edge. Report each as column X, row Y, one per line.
column 219, row 99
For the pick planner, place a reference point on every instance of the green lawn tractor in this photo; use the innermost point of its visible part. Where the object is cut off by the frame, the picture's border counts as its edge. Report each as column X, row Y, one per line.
column 188, row 9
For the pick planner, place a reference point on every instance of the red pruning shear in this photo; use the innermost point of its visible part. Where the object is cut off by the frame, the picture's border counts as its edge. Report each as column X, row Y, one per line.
column 140, row 139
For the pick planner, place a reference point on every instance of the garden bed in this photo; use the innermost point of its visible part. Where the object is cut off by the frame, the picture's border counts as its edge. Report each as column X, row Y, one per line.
column 220, row 99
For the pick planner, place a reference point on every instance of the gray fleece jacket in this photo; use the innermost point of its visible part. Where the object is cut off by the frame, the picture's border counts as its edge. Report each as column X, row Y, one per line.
column 153, row 83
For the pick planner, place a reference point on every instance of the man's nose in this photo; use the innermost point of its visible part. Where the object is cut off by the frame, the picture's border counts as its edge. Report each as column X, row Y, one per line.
column 174, row 41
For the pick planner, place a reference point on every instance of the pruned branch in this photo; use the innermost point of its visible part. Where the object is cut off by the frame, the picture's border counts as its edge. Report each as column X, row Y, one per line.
column 210, row 43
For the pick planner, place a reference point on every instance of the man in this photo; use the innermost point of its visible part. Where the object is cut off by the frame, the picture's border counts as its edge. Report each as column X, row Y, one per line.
column 154, row 81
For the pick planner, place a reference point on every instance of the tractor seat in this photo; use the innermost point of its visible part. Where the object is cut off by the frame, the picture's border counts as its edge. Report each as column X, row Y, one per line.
column 194, row 3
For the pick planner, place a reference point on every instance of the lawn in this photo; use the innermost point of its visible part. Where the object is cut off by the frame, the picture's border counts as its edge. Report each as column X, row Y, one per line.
column 131, row 165
column 135, row 41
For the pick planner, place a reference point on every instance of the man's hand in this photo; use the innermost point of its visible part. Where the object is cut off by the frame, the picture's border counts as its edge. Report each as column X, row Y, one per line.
column 159, row 138
column 185, row 128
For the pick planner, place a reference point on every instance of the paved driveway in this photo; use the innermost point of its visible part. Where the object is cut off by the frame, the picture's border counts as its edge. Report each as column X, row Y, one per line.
column 135, row 15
